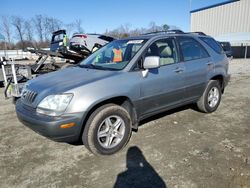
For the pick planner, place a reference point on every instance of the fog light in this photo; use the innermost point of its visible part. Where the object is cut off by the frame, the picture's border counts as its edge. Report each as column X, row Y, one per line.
column 68, row 125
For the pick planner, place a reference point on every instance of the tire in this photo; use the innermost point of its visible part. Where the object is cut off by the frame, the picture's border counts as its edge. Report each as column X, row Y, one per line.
column 211, row 97
column 101, row 136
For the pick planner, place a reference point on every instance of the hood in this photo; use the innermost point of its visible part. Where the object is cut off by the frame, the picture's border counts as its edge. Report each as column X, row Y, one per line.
column 66, row 79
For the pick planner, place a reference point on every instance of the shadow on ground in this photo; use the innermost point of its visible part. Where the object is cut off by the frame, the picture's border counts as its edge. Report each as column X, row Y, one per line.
column 139, row 172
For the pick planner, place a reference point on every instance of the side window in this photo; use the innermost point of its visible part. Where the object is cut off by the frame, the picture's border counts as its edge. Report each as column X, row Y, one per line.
column 165, row 49
column 192, row 49
column 213, row 44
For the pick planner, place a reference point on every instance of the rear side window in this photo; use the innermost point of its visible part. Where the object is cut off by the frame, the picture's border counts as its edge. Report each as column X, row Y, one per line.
column 57, row 37
column 213, row 44
column 192, row 49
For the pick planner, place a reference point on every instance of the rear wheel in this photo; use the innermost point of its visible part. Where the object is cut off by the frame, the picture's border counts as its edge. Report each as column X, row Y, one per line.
column 211, row 97
column 107, row 130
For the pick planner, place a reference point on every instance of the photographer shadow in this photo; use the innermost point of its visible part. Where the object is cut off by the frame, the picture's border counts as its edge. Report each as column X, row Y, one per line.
column 139, row 172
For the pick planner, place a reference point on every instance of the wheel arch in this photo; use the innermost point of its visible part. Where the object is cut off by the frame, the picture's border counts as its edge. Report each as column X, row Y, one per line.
column 123, row 101
column 219, row 78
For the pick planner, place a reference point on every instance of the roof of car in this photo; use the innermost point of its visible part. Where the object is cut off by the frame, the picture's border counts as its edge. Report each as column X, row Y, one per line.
column 165, row 34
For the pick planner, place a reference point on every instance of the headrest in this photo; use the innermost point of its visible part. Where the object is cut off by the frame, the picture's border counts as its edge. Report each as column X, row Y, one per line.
column 165, row 51
column 153, row 50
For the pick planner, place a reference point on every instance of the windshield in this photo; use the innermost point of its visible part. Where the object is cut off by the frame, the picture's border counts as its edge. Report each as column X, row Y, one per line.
column 114, row 56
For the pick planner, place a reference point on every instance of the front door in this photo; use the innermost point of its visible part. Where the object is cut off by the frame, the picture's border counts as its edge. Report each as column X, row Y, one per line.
column 162, row 87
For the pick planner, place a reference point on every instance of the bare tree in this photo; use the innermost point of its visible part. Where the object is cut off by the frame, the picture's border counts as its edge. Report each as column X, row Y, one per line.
column 6, row 28
column 18, row 23
column 69, row 28
column 55, row 24
column 125, row 31
column 153, row 27
column 50, row 25
column 28, row 30
column 122, row 31
column 137, row 31
column 38, row 23
column 78, row 25
column 46, row 28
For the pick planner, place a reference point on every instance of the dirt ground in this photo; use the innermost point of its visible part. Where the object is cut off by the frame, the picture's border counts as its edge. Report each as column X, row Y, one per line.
column 180, row 148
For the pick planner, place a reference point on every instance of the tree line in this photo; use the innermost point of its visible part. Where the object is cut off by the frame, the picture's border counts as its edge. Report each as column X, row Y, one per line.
column 36, row 32
column 125, row 30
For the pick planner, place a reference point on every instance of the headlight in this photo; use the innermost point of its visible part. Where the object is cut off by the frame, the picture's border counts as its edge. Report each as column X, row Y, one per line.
column 54, row 105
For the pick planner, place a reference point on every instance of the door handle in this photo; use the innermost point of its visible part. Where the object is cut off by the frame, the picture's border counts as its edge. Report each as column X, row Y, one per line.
column 178, row 70
column 209, row 63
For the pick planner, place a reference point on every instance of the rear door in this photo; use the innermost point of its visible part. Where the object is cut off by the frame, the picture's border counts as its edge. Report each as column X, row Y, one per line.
column 197, row 63
column 163, row 87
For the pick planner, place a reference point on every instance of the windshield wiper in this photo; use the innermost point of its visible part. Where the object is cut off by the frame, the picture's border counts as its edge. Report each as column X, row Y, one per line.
column 87, row 66
column 91, row 66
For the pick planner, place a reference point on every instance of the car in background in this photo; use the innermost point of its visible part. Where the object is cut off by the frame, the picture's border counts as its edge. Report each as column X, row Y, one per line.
column 56, row 43
column 227, row 48
column 81, row 42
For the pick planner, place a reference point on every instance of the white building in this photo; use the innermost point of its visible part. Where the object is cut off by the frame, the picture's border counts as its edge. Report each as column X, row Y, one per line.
column 226, row 21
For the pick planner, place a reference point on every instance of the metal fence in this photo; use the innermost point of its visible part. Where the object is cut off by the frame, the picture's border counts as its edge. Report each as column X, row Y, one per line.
column 17, row 54
column 20, row 54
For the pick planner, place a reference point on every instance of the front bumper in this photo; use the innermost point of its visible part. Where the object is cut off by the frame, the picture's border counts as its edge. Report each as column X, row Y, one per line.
column 50, row 126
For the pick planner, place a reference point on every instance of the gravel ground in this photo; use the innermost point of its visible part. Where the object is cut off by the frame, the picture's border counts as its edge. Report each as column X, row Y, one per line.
column 180, row 148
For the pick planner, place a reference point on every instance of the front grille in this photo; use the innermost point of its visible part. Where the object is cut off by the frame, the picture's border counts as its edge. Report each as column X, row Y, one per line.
column 28, row 96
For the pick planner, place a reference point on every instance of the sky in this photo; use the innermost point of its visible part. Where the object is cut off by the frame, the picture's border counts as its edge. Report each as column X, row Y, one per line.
column 99, row 15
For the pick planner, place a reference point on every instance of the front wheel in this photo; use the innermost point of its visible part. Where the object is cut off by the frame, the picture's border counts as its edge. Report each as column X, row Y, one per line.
column 107, row 130
column 211, row 97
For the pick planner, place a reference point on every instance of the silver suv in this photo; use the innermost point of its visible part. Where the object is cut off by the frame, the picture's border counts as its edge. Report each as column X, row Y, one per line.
column 103, row 98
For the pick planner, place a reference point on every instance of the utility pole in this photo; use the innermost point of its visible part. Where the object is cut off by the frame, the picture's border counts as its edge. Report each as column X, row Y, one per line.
column 190, row 8
column 190, row 5
column 246, row 50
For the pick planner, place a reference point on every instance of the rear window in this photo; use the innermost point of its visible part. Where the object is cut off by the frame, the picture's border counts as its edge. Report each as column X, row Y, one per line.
column 213, row 44
column 57, row 37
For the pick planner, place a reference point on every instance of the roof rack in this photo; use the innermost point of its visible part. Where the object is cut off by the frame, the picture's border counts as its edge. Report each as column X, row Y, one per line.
column 176, row 31
column 197, row 33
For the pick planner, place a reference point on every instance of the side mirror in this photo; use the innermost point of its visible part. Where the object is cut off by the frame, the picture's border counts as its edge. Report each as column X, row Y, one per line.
column 151, row 62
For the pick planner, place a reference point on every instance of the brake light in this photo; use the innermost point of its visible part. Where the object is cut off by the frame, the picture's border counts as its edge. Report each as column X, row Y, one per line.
column 80, row 36
column 83, row 36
